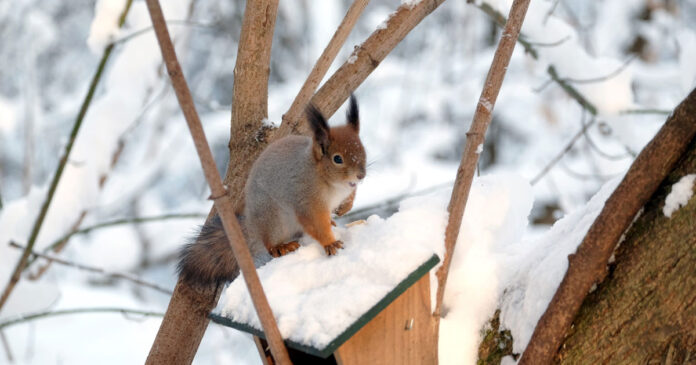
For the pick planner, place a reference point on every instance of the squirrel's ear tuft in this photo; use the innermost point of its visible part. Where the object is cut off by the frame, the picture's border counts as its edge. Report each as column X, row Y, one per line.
column 319, row 127
column 352, row 114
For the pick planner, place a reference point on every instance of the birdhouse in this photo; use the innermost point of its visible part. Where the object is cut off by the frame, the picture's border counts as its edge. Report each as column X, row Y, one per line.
column 371, row 323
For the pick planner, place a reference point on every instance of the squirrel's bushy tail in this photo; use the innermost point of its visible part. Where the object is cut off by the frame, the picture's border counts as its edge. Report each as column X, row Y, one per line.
column 208, row 259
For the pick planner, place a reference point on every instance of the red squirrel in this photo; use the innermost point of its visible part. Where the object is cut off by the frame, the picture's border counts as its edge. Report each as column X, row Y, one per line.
column 292, row 189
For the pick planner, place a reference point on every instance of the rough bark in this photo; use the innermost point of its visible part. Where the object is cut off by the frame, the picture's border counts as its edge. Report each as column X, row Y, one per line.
column 588, row 265
column 248, row 135
column 645, row 312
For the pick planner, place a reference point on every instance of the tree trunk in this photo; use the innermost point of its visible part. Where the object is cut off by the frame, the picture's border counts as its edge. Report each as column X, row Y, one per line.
column 186, row 318
column 645, row 311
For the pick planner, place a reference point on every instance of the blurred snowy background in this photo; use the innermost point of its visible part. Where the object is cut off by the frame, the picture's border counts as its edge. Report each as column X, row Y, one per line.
column 632, row 60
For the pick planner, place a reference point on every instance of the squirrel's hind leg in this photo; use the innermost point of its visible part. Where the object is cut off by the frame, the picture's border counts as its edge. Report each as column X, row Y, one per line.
column 283, row 248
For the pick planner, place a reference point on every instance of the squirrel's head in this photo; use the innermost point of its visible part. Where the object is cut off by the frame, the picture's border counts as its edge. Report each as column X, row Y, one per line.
column 338, row 151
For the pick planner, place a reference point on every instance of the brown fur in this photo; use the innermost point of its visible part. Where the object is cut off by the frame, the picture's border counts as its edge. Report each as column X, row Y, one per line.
column 292, row 189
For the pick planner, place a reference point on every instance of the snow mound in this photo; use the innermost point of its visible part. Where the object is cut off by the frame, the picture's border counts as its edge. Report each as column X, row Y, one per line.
column 681, row 192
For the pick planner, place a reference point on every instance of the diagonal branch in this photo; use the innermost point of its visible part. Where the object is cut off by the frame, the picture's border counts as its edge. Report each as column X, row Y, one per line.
column 222, row 202
column 19, row 267
column 319, row 70
column 588, row 265
column 474, row 138
column 363, row 61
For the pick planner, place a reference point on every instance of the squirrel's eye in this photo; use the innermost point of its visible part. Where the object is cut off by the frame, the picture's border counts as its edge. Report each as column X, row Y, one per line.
column 338, row 159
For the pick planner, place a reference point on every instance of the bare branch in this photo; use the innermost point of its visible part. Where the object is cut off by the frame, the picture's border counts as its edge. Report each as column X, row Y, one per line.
column 605, row 77
column 38, row 315
column 61, row 165
column 588, row 265
column 117, row 222
column 322, row 65
column 223, row 203
column 366, row 57
column 559, row 156
column 98, row 270
column 475, row 138
column 564, row 83
column 6, row 346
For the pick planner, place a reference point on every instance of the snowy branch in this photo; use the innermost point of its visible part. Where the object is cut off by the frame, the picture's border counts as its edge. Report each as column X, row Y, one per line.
column 475, row 138
column 61, row 165
column 98, row 270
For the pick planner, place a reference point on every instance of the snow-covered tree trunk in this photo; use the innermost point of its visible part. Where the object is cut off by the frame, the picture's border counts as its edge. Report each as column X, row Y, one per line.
column 645, row 311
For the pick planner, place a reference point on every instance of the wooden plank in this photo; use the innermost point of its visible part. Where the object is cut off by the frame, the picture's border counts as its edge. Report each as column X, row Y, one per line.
column 403, row 333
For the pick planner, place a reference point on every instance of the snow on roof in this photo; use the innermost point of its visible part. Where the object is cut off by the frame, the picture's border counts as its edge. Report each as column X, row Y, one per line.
column 315, row 298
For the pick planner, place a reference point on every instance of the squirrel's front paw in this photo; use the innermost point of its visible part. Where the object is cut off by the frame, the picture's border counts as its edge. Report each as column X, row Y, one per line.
column 333, row 247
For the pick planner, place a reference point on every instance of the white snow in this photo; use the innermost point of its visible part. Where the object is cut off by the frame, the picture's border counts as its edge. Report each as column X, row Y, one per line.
column 535, row 268
column 411, row 3
column 479, row 148
column 104, row 28
column 680, row 194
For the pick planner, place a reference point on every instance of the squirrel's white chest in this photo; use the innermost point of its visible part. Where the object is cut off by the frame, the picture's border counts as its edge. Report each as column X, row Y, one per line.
column 337, row 194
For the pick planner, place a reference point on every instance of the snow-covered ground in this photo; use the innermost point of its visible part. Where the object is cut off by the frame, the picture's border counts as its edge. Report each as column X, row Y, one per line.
column 632, row 60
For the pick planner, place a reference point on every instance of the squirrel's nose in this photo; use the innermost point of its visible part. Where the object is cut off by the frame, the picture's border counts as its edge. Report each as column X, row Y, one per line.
column 361, row 175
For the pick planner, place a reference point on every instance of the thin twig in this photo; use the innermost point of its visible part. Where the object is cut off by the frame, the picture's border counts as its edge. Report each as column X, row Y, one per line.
column 474, row 138
column 140, row 32
column 44, row 314
column 19, row 267
column 117, row 222
column 98, row 270
column 603, row 154
column 6, row 346
column 646, row 111
column 562, row 153
column 322, row 65
column 388, row 203
column 602, row 78
column 222, row 201
column 564, row 83
column 549, row 44
column 365, row 59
